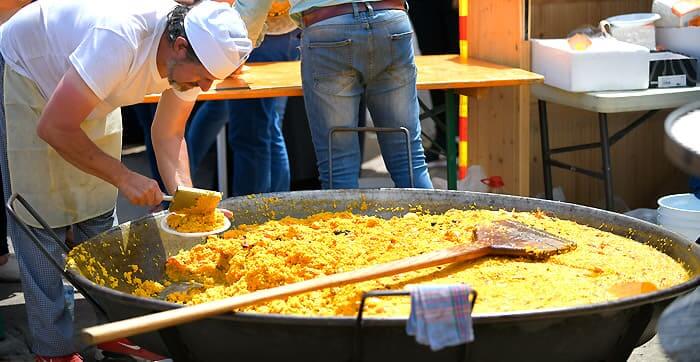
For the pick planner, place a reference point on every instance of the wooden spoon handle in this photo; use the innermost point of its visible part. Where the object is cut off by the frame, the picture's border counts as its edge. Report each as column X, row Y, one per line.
column 168, row 318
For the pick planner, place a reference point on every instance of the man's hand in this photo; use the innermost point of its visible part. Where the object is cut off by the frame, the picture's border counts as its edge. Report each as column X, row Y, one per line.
column 455, row 4
column 140, row 190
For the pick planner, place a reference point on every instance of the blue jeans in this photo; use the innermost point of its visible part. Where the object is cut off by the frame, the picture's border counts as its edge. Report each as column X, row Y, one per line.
column 350, row 55
column 260, row 162
column 695, row 186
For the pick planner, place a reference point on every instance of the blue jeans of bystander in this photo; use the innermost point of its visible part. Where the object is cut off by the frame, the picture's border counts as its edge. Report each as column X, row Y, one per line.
column 344, row 57
column 260, row 162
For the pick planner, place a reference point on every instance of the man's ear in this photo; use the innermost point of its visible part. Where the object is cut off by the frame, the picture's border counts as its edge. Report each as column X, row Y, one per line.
column 180, row 46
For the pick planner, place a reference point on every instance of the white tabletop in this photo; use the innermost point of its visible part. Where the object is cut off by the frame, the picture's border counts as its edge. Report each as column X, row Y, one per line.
column 619, row 101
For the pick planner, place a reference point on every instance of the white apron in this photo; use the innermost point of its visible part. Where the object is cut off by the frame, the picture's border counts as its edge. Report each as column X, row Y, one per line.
column 61, row 193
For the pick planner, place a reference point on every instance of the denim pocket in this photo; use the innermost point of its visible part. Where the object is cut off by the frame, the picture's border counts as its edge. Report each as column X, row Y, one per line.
column 331, row 65
column 330, row 44
column 403, row 35
column 402, row 67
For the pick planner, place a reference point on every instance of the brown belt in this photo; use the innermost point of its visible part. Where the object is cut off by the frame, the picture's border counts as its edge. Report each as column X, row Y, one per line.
column 314, row 15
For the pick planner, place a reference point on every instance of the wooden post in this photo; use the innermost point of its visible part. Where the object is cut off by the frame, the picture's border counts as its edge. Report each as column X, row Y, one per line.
column 500, row 139
column 463, row 100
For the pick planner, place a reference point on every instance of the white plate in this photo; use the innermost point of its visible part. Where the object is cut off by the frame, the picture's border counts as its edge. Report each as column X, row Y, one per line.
column 164, row 225
column 636, row 19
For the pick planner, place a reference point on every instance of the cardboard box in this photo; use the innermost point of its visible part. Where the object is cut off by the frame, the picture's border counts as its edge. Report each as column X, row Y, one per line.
column 676, row 13
column 608, row 64
column 668, row 70
column 680, row 40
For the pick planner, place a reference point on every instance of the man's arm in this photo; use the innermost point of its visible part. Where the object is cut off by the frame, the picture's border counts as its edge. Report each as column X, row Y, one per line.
column 254, row 14
column 9, row 7
column 59, row 125
column 168, row 137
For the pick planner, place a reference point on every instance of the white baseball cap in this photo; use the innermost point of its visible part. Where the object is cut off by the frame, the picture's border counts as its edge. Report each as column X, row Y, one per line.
column 218, row 36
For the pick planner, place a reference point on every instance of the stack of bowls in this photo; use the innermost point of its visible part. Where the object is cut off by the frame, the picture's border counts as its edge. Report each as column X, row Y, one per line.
column 680, row 213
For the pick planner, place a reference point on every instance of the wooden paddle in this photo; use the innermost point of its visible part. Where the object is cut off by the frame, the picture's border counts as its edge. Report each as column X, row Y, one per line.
column 498, row 238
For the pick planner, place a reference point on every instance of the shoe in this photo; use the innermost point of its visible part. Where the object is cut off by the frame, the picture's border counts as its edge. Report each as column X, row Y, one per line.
column 126, row 347
column 69, row 358
column 9, row 271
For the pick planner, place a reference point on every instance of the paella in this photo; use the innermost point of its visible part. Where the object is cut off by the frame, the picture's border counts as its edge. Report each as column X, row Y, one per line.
column 603, row 267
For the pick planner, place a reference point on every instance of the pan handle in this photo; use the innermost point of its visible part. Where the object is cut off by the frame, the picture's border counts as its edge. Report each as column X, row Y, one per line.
column 102, row 314
column 11, row 210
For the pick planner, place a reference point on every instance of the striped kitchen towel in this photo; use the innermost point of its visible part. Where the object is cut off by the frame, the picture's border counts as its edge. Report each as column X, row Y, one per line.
column 440, row 315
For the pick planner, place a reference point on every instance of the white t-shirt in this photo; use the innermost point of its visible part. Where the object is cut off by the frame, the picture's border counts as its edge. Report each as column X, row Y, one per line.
column 111, row 44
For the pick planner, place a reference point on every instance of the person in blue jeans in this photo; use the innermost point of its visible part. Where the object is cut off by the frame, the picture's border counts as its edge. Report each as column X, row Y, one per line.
column 366, row 48
column 350, row 50
column 260, row 162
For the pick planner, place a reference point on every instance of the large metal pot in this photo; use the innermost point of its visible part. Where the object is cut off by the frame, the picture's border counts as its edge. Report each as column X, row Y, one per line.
column 606, row 331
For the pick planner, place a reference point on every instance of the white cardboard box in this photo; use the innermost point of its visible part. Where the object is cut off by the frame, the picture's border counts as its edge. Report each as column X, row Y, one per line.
column 608, row 64
column 669, row 17
column 680, row 40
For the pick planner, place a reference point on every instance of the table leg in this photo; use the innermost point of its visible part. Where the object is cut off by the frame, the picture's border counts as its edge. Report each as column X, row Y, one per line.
column 607, row 168
column 222, row 161
column 544, row 140
column 450, row 139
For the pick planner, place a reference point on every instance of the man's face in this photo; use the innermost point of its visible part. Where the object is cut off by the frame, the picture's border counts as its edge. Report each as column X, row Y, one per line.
column 184, row 74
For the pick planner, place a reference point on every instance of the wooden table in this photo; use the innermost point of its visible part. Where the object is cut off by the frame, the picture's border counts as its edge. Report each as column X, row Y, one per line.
column 435, row 72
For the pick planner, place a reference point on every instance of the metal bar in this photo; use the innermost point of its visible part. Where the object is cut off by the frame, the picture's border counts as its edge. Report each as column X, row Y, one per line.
column 546, row 155
column 432, row 113
column 607, row 167
column 407, row 139
column 222, row 161
column 451, row 134
column 580, row 170
column 616, row 137
column 638, row 122
column 581, row 147
column 357, row 342
column 433, row 143
column 33, row 237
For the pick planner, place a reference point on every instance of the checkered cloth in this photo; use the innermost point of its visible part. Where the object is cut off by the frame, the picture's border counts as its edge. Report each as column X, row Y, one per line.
column 440, row 315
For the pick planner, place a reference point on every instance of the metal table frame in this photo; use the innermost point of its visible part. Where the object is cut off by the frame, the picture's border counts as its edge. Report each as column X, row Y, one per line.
column 603, row 103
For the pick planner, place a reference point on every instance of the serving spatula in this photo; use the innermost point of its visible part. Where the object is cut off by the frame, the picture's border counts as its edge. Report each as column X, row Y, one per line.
column 504, row 237
column 192, row 200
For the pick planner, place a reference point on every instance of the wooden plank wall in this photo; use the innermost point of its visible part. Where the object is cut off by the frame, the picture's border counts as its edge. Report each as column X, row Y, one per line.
column 499, row 127
column 641, row 172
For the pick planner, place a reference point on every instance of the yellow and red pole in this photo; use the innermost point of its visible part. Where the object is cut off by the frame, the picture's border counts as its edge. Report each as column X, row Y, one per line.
column 463, row 123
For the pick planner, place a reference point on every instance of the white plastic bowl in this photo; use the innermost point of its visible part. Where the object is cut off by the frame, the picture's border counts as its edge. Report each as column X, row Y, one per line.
column 635, row 19
column 680, row 213
column 164, row 225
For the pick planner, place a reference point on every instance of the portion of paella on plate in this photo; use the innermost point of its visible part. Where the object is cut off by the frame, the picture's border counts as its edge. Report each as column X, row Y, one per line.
column 603, row 267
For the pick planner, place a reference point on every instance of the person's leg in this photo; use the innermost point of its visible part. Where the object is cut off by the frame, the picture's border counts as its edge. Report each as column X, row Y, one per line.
column 279, row 160
column 85, row 230
column 203, row 128
column 392, row 98
column 260, row 161
column 249, row 137
column 332, row 90
column 49, row 321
